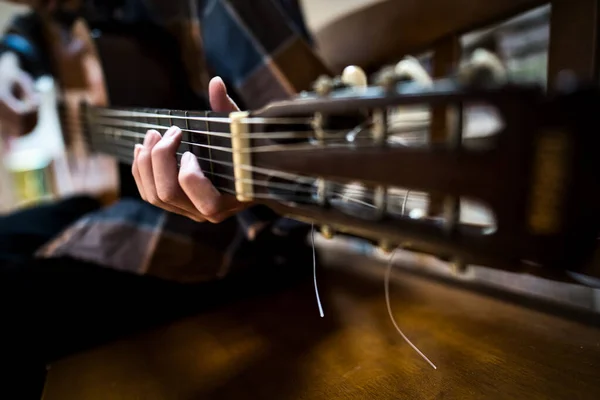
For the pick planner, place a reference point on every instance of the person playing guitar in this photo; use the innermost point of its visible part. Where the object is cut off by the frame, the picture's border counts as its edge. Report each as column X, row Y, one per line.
column 53, row 264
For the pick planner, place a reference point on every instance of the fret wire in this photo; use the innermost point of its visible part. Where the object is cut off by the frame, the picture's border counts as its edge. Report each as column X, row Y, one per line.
column 209, row 146
column 146, row 120
column 157, row 112
column 187, row 126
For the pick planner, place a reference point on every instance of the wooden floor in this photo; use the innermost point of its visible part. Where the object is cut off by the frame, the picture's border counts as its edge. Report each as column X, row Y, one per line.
column 277, row 347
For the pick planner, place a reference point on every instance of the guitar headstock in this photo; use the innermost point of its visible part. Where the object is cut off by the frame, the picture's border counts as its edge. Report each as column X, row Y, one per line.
column 358, row 159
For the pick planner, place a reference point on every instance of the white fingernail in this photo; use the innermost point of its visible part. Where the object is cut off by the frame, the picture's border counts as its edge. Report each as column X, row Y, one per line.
column 186, row 158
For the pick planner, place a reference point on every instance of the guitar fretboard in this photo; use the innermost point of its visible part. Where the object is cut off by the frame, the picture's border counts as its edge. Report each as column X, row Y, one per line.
column 206, row 134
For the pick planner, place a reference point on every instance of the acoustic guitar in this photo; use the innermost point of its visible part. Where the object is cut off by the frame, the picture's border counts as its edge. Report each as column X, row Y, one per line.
column 355, row 159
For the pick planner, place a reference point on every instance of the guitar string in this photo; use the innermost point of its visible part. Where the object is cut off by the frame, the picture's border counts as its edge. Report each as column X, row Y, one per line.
column 406, row 115
column 406, row 126
column 312, row 237
column 331, row 136
column 292, row 188
column 344, row 192
column 108, row 123
column 251, row 149
column 343, row 195
column 222, row 120
column 129, row 145
column 299, row 178
column 386, row 285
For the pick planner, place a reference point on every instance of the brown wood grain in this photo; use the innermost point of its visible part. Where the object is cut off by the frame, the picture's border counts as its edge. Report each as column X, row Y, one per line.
column 277, row 347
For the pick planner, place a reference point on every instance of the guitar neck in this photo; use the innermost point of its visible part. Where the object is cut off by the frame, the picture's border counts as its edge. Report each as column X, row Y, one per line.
column 324, row 160
column 206, row 134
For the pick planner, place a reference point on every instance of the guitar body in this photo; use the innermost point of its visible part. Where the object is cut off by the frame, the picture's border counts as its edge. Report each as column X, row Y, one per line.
column 120, row 66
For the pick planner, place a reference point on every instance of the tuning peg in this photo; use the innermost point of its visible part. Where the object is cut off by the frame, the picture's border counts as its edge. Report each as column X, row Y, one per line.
column 327, row 232
column 412, row 69
column 386, row 247
column 483, row 68
column 323, row 85
column 409, row 68
column 386, row 78
column 458, row 267
column 354, row 76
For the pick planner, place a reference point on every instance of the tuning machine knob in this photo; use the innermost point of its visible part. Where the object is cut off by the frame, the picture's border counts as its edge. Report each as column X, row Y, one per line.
column 327, row 232
column 458, row 267
column 354, row 76
column 386, row 78
column 408, row 68
column 323, row 85
column 386, row 247
column 483, row 68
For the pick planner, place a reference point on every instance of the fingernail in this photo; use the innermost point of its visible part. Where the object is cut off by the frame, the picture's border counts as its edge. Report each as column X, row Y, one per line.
column 186, row 158
column 219, row 79
column 150, row 138
column 137, row 149
column 174, row 130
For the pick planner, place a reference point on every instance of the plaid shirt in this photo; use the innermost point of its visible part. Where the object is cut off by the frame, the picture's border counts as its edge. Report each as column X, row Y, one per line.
column 136, row 237
column 256, row 46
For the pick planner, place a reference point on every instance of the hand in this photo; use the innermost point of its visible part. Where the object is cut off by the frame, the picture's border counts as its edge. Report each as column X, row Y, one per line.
column 187, row 192
column 18, row 101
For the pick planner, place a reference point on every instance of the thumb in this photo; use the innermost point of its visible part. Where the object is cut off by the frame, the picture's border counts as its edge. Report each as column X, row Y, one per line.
column 217, row 94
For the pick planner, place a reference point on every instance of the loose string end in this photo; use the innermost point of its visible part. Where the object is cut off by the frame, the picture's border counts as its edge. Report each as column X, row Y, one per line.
column 312, row 236
column 389, row 309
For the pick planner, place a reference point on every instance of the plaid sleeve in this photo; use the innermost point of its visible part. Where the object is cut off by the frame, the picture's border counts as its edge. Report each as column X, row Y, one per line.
column 135, row 237
column 257, row 47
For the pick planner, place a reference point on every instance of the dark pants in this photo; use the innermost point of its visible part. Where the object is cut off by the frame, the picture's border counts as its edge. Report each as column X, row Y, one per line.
column 53, row 307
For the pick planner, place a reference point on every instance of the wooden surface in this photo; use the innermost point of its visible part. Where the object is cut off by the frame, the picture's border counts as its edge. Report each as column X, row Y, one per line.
column 277, row 347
